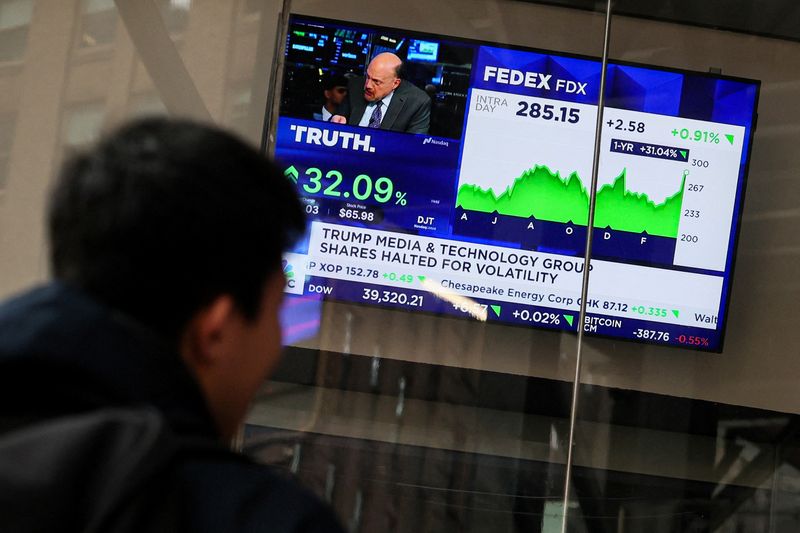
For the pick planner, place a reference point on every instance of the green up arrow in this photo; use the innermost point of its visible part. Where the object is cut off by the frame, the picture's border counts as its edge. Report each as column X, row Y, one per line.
column 684, row 153
column 676, row 313
column 291, row 173
column 496, row 309
column 570, row 319
column 730, row 138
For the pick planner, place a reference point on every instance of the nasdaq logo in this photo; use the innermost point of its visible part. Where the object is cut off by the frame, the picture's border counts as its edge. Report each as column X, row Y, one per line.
column 439, row 142
column 332, row 138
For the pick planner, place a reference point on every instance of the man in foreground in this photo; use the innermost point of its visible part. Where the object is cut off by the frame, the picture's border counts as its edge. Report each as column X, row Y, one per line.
column 381, row 99
column 122, row 381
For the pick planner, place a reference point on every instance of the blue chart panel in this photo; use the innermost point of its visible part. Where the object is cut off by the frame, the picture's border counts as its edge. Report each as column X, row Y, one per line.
column 397, row 180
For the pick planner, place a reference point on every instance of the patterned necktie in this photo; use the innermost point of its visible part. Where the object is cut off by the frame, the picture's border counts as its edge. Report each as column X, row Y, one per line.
column 375, row 119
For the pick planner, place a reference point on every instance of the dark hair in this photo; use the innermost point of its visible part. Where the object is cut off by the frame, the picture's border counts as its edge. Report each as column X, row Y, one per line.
column 333, row 80
column 163, row 216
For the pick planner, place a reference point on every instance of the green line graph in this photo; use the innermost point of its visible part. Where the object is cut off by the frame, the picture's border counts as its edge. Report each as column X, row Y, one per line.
column 545, row 195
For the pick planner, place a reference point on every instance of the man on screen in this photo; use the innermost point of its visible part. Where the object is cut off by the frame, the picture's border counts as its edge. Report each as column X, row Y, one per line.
column 381, row 99
column 334, row 93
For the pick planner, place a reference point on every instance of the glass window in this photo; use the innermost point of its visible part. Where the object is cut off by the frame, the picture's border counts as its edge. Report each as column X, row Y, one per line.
column 82, row 124
column 429, row 419
column 426, row 394
column 175, row 14
column 98, row 24
column 146, row 104
column 239, row 109
column 670, row 437
column 7, row 123
column 252, row 7
column 15, row 16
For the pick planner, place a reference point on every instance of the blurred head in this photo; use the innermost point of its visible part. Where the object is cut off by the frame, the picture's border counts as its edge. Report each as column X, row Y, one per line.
column 335, row 91
column 383, row 76
column 182, row 227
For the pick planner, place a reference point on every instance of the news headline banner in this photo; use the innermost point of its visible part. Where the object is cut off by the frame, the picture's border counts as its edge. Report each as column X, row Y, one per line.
column 502, row 274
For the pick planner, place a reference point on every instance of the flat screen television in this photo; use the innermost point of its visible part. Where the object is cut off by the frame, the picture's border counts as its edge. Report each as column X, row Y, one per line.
column 483, row 212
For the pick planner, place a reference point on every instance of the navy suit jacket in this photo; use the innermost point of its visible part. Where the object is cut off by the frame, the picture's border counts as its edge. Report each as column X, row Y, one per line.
column 409, row 110
column 63, row 354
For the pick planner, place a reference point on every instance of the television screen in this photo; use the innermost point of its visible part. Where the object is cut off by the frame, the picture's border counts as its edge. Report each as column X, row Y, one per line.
column 422, row 50
column 318, row 46
column 469, row 197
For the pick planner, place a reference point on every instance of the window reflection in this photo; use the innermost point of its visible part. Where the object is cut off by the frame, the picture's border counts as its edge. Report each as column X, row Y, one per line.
column 175, row 14
column 432, row 447
column 15, row 17
column 252, row 7
column 82, row 124
column 239, row 109
column 146, row 104
column 7, row 122
column 99, row 23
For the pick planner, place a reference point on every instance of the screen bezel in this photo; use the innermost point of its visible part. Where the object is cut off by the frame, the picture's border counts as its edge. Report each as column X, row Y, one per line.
column 272, row 113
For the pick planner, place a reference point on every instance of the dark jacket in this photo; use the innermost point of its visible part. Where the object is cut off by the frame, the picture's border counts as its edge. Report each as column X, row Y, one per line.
column 63, row 355
column 409, row 110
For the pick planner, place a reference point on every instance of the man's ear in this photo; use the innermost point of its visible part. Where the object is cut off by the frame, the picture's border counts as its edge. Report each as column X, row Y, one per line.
column 205, row 339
